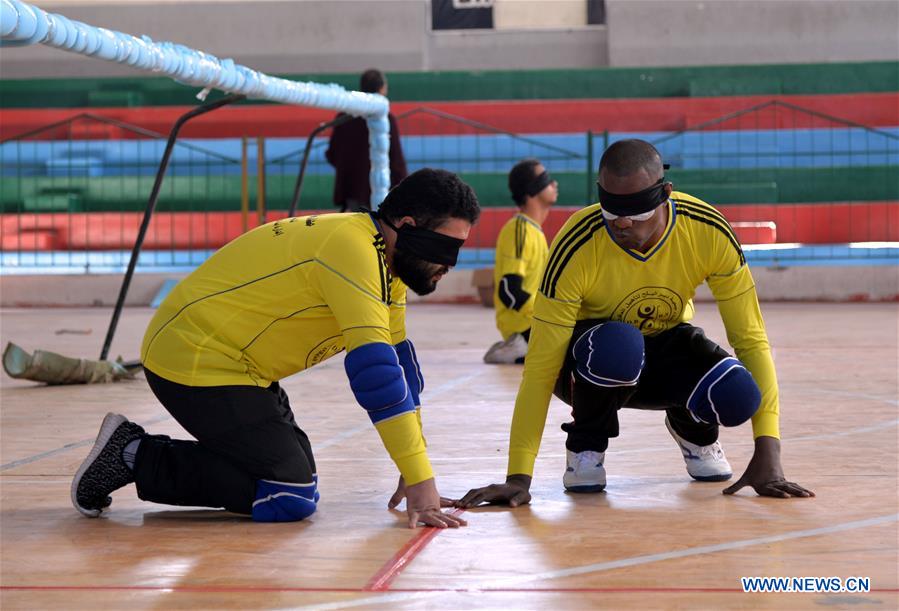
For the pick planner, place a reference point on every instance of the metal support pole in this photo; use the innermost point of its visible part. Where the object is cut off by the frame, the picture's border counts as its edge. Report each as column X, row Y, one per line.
column 244, row 186
column 260, row 180
column 591, row 178
column 151, row 205
column 298, row 187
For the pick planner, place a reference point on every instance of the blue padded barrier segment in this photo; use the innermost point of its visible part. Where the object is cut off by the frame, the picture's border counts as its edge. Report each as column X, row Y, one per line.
column 284, row 501
column 726, row 395
column 405, row 350
column 610, row 354
column 378, row 381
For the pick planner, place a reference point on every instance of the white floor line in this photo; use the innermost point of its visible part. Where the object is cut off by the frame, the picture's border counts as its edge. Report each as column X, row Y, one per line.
column 446, row 386
column 615, row 564
column 840, row 393
column 668, row 447
column 71, row 446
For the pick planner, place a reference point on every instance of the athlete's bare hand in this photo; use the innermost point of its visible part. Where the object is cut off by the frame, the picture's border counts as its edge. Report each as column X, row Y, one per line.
column 423, row 504
column 514, row 492
column 400, row 494
column 765, row 474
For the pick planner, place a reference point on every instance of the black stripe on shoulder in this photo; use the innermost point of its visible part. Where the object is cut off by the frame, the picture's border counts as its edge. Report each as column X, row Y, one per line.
column 710, row 213
column 564, row 243
column 690, row 214
column 519, row 237
column 702, row 207
column 382, row 268
column 583, row 237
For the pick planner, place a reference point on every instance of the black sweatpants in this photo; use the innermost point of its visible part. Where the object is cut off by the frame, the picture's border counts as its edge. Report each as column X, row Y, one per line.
column 675, row 362
column 243, row 434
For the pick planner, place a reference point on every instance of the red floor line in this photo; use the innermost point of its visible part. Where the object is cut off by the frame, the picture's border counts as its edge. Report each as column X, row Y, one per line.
column 250, row 589
column 391, row 569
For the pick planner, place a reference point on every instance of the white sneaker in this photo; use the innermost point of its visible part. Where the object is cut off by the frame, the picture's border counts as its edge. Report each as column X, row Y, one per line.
column 584, row 471
column 508, row 352
column 704, row 463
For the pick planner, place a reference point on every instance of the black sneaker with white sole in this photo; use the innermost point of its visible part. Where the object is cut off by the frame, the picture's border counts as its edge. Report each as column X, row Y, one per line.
column 104, row 470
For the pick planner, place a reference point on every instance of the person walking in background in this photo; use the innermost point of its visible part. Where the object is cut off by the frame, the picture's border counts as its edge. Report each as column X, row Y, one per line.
column 521, row 253
column 348, row 152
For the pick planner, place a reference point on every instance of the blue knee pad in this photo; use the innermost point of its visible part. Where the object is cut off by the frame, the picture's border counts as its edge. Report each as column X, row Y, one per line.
column 284, row 501
column 610, row 354
column 726, row 395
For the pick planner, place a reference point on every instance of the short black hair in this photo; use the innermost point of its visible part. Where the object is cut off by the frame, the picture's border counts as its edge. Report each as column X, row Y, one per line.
column 371, row 81
column 431, row 197
column 521, row 175
column 628, row 157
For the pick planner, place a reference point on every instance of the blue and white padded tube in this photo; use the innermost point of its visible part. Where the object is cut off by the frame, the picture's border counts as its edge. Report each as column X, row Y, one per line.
column 23, row 24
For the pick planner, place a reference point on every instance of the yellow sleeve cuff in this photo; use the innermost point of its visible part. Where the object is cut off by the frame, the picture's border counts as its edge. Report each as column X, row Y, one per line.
column 765, row 424
column 404, row 442
column 521, row 463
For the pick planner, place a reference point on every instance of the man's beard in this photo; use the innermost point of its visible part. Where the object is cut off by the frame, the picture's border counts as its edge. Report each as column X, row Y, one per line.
column 416, row 273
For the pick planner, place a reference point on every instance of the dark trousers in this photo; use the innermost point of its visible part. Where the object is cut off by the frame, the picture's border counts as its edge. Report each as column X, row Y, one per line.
column 243, row 434
column 675, row 362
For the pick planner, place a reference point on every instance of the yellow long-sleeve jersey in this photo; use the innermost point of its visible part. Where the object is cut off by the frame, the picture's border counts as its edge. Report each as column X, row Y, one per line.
column 521, row 249
column 589, row 276
column 281, row 299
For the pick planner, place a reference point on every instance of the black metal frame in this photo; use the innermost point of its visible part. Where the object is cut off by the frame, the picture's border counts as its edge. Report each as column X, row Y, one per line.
column 151, row 206
column 298, row 187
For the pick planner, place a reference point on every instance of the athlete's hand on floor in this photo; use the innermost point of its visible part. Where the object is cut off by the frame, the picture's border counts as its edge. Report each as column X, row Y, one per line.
column 765, row 473
column 423, row 504
column 513, row 493
column 400, row 494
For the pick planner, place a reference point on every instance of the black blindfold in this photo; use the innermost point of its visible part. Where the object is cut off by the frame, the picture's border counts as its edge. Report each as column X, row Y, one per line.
column 634, row 203
column 540, row 182
column 425, row 244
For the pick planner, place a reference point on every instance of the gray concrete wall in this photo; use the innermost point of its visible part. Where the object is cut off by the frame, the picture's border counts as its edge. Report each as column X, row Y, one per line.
column 582, row 47
column 703, row 32
column 268, row 35
column 301, row 36
column 309, row 36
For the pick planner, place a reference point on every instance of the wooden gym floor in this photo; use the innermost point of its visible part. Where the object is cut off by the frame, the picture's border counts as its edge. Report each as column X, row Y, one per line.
column 653, row 540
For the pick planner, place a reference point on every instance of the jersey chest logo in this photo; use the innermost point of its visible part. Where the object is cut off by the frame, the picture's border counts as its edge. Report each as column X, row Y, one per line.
column 324, row 351
column 649, row 308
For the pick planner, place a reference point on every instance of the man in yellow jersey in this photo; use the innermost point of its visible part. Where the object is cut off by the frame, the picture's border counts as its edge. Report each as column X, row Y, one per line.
column 521, row 253
column 278, row 300
column 611, row 329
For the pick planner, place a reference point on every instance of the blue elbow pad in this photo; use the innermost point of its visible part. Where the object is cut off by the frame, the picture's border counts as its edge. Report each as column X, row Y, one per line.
column 412, row 370
column 284, row 501
column 378, row 381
